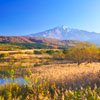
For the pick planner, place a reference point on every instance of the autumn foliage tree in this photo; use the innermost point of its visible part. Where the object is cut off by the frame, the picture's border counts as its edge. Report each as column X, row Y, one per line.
column 83, row 52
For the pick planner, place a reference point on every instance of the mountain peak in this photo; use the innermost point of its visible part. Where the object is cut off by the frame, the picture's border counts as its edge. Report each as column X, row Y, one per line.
column 65, row 27
column 65, row 33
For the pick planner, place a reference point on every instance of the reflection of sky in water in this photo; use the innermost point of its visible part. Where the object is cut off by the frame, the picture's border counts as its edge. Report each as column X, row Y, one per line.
column 20, row 81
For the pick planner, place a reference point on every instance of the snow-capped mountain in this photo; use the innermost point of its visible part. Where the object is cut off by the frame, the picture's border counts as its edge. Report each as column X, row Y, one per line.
column 66, row 33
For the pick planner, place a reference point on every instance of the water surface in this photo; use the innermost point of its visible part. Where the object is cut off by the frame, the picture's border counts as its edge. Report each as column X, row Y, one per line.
column 20, row 81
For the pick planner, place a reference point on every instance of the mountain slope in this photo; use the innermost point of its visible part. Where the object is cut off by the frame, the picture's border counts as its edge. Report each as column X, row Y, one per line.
column 66, row 33
column 17, row 39
column 54, row 43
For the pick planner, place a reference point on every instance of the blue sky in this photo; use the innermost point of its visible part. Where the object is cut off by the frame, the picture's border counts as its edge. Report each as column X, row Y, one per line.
column 22, row 17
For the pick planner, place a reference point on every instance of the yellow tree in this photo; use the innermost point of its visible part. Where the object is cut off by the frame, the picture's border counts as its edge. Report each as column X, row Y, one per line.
column 92, row 53
column 83, row 52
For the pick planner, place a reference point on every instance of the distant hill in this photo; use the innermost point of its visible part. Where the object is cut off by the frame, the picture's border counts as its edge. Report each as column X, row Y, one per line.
column 66, row 33
column 17, row 39
column 54, row 43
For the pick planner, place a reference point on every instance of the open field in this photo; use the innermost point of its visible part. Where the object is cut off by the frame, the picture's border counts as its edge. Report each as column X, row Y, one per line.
column 70, row 74
column 59, row 82
column 21, row 59
column 51, row 74
column 26, row 50
column 43, row 65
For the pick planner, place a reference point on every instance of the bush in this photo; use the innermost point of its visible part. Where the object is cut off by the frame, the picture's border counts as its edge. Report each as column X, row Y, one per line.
column 4, row 55
column 66, row 51
column 50, row 52
column 37, row 52
column 28, row 52
column 59, row 56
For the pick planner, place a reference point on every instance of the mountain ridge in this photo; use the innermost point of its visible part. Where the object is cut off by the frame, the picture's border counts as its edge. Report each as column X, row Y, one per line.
column 66, row 33
column 32, row 40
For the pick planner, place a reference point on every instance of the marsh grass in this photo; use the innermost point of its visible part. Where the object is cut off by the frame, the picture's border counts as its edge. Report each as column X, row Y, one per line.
column 55, row 81
column 70, row 74
column 40, row 89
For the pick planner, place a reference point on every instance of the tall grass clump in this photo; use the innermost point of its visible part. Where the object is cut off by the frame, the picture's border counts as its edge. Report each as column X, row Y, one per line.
column 39, row 88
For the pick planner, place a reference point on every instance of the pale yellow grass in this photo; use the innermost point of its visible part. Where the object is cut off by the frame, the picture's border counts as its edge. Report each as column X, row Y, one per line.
column 29, row 50
column 26, row 50
column 70, row 74
column 31, row 55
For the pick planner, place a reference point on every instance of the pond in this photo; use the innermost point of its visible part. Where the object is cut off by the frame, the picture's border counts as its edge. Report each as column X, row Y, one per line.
column 20, row 81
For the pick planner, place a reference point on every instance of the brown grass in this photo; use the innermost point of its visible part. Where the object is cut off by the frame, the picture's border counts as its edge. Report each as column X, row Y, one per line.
column 70, row 74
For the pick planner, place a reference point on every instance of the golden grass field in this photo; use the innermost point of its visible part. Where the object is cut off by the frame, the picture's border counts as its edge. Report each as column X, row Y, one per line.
column 26, row 50
column 70, row 75
column 67, row 81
